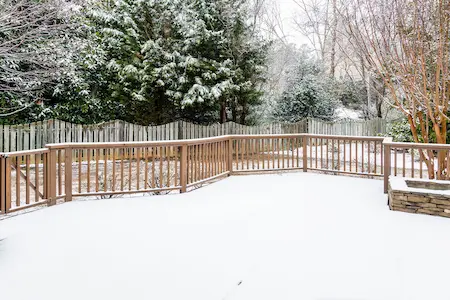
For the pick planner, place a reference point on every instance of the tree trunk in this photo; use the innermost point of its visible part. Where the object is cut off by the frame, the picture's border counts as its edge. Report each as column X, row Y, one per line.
column 379, row 101
column 243, row 114
column 223, row 112
column 333, row 41
column 441, row 138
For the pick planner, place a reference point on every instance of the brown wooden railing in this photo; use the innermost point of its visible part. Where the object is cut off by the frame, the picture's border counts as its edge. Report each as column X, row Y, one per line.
column 60, row 172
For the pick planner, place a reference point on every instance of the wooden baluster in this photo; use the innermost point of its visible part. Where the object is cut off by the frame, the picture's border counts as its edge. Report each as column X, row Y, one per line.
column 130, row 168
column 404, row 163
column 362, row 157
column 37, row 161
column 421, row 162
column 310, row 152
column 28, row 181
column 105, row 169
column 97, row 154
column 192, row 163
column 68, row 174
column 293, row 152
column 258, row 155
column 263, row 156
column 246, row 153
column 321, row 153
column 17, row 167
column 80, row 159
column 161, row 160
column 273, row 153
column 138, row 168
column 339, row 155
column 316, row 153
column 197, row 159
column 350, row 155
column 288, row 148
column 113, row 188
column 122, row 157
column 375, row 157
column 448, row 164
column 345, row 155
column 252, row 151
column 216, row 158
column 88, row 157
column 237, row 151
column 395, row 161
column 332, row 154
column 278, row 153
column 205, row 169
column 175, row 161
column 382, row 157
column 153, row 166
column 168, row 154
column 219, row 157
column 183, row 169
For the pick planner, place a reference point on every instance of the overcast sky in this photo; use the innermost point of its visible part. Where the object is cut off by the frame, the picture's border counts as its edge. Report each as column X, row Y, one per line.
column 288, row 9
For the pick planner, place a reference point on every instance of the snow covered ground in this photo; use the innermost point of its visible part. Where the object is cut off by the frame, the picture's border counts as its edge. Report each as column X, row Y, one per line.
column 290, row 236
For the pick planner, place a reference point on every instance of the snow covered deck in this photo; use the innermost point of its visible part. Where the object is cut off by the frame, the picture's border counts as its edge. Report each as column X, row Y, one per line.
column 289, row 236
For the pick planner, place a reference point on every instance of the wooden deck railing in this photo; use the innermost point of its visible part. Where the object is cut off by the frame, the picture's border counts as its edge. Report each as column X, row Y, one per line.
column 60, row 172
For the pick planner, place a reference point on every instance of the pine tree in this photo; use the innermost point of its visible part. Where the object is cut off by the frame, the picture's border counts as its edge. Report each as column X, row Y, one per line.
column 309, row 94
column 156, row 61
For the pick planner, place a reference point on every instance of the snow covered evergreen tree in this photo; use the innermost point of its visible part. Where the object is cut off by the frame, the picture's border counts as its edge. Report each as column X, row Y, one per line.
column 157, row 61
column 309, row 94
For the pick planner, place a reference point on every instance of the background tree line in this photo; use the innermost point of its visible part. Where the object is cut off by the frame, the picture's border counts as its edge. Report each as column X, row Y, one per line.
column 147, row 62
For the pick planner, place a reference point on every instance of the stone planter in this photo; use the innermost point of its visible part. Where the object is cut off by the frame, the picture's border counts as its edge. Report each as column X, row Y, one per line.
column 420, row 196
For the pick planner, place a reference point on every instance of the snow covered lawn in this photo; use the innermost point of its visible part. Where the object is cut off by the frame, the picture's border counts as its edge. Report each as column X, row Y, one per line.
column 290, row 236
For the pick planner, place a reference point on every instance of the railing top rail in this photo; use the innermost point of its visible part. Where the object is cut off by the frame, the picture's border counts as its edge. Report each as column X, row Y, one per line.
column 95, row 145
column 345, row 137
column 419, row 146
column 24, row 152
column 265, row 136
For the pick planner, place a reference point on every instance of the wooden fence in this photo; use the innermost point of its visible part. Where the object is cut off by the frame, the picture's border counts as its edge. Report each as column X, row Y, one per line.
column 62, row 171
column 37, row 135
column 353, row 128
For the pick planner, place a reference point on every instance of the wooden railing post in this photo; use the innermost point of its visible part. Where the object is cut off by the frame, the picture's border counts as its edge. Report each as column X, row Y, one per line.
column 230, row 156
column 183, row 168
column 2, row 185
column 387, row 163
column 305, row 153
column 6, row 184
column 68, row 173
column 51, row 176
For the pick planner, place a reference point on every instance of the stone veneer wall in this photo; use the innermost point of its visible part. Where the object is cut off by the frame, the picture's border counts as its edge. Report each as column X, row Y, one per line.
column 420, row 203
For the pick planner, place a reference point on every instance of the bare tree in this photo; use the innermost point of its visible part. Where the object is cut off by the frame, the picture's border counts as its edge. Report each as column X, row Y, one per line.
column 334, row 30
column 313, row 22
column 406, row 42
column 318, row 22
column 31, row 44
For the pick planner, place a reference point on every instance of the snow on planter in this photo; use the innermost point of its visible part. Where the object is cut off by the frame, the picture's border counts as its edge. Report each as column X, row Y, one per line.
column 421, row 196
